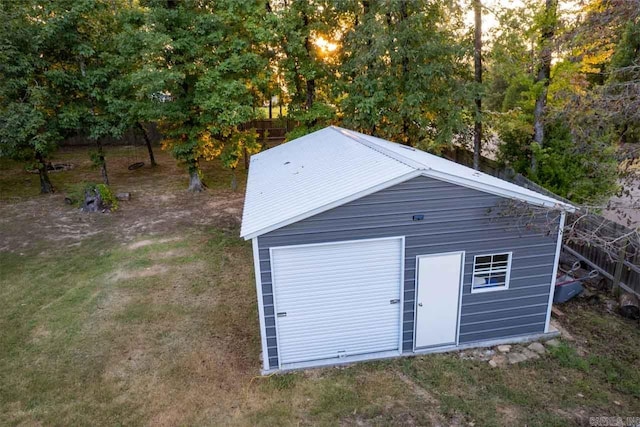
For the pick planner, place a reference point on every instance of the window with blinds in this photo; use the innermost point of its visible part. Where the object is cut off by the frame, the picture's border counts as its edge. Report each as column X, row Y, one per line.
column 491, row 272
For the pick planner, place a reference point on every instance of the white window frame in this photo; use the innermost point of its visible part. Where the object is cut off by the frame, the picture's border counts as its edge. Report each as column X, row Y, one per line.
column 496, row 288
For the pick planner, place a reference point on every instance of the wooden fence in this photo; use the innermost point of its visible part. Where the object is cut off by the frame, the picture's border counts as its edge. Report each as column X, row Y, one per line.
column 271, row 131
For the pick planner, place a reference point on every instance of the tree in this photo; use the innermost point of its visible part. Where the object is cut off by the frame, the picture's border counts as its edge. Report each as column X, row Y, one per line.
column 404, row 73
column 203, row 64
column 29, row 128
column 543, row 75
column 306, row 69
column 477, row 57
column 577, row 157
column 78, row 37
column 123, row 100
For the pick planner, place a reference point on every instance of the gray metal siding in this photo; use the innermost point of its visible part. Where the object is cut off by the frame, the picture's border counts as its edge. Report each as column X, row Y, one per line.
column 455, row 218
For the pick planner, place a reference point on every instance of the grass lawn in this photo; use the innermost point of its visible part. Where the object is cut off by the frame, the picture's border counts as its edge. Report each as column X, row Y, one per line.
column 147, row 316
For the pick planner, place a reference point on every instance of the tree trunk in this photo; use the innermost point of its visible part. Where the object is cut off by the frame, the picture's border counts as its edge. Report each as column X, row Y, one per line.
column 45, row 183
column 311, row 93
column 404, row 15
column 102, row 162
column 195, row 183
column 234, row 180
column 543, row 75
column 477, row 57
column 147, row 141
column 311, row 83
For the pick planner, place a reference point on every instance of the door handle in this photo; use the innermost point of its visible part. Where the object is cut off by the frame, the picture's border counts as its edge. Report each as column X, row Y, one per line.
column 419, row 304
column 394, row 301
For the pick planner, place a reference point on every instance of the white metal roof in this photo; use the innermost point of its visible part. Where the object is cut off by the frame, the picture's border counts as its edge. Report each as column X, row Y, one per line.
column 333, row 166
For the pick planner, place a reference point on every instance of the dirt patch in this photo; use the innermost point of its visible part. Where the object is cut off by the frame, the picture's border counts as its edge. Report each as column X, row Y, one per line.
column 171, row 253
column 417, row 389
column 40, row 333
column 509, row 414
column 124, row 274
column 147, row 242
column 159, row 205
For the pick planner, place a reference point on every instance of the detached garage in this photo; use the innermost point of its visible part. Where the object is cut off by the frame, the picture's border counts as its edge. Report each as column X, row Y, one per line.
column 367, row 249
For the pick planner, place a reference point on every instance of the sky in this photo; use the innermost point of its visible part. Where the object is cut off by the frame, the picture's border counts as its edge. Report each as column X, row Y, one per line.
column 489, row 20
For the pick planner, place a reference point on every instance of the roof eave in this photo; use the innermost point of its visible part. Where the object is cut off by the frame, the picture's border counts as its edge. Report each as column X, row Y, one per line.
column 542, row 201
column 248, row 235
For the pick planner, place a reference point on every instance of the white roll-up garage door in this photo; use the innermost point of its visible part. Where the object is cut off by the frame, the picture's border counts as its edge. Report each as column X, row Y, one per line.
column 338, row 300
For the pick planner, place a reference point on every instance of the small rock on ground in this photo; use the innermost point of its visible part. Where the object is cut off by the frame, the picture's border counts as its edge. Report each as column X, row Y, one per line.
column 514, row 358
column 530, row 354
column 537, row 347
column 504, row 348
column 498, row 360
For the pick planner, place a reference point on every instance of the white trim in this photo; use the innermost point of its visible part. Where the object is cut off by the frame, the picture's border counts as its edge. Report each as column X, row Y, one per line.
column 531, row 197
column 461, row 290
column 322, row 362
column 401, row 320
column 275, row 306
column 464, row 259
column 506, row 279
column 263, row 327
column 337, row 242
column 555, row 271
column 430, row 350
column 294, row 366
column 334, row 204
column 430, row 173
column 498, row 191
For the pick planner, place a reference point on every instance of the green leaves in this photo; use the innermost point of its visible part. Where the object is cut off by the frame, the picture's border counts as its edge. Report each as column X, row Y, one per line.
column 405, row 76
column 206, row 59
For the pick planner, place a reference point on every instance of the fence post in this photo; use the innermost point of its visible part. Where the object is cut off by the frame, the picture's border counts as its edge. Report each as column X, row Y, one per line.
column 617, row 276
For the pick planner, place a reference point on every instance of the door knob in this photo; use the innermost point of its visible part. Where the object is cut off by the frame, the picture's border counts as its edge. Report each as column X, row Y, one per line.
column 419, row 304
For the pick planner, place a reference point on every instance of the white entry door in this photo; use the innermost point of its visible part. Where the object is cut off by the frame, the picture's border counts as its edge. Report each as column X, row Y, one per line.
column 337, row 300
column 439, row 282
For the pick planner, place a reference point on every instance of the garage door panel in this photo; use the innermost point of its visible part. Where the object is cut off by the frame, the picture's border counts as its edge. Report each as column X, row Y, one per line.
column 315, row 297
column 337, row 299
column 300, row 325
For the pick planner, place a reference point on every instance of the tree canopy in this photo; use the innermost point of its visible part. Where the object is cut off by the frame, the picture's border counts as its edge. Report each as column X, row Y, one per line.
column 558, row 100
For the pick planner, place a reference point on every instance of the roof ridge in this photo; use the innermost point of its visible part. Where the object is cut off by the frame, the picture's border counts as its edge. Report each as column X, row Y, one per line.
column 377, row 148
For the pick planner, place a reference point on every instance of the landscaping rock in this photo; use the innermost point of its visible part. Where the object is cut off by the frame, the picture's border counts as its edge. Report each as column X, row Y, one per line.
column 514, row 358
column 498, row 361
column 504, row 348
column 123, row 196
column 530, row 354
column 537, row 347
column 553, row 343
